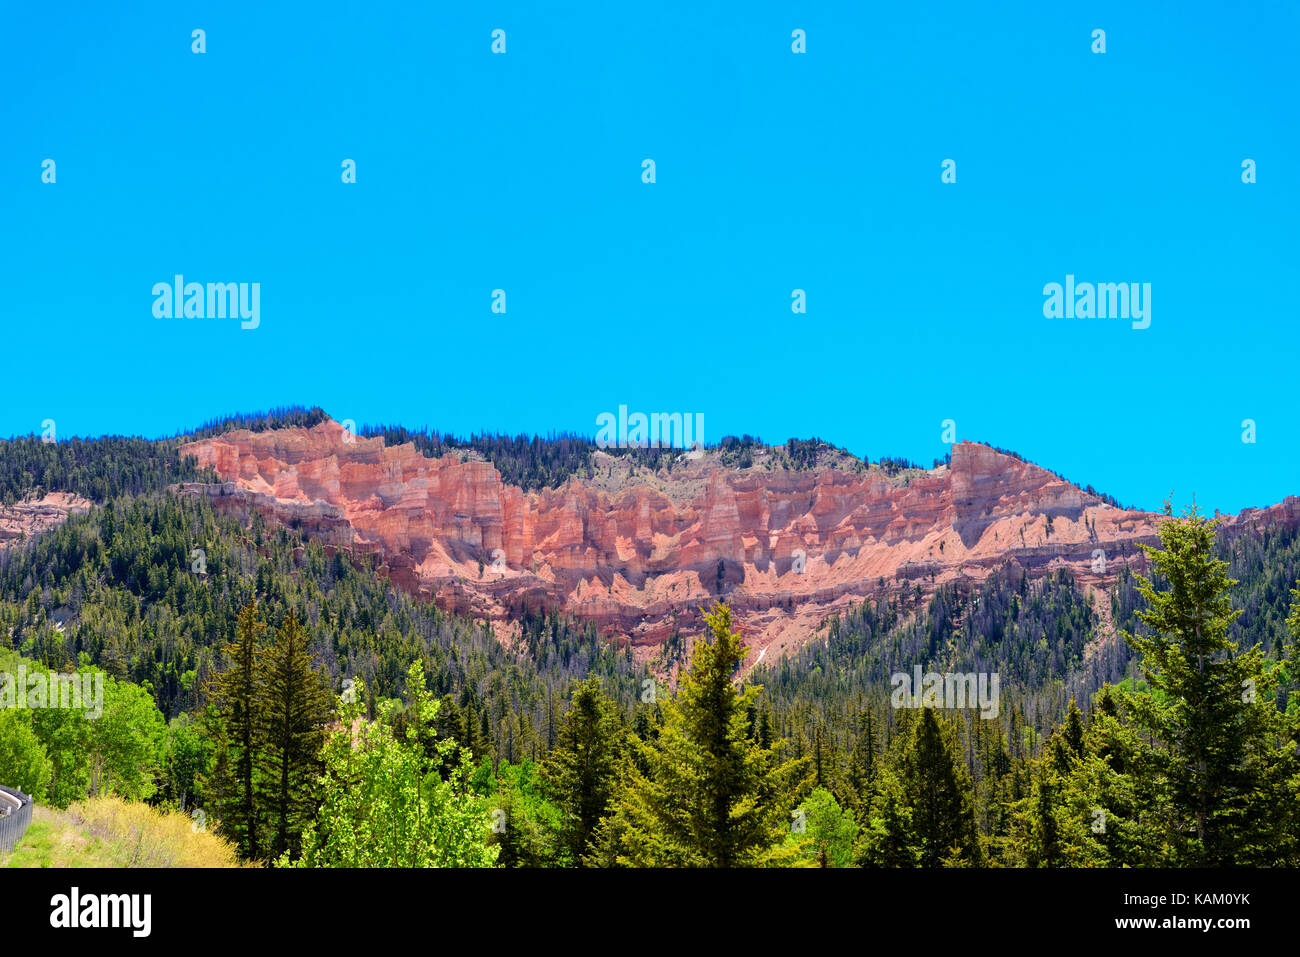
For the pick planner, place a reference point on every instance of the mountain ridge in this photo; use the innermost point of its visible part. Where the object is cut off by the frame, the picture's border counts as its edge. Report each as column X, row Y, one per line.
column 639, row 551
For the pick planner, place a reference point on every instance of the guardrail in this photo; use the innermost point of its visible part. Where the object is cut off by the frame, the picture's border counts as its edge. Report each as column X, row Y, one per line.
column 15, row 815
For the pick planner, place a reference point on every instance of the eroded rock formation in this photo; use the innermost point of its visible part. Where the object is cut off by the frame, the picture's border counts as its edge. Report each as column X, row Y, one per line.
column 23, row 520
column 640, row 555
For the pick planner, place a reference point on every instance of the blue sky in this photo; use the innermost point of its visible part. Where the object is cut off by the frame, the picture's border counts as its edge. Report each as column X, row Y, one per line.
column 775, row 171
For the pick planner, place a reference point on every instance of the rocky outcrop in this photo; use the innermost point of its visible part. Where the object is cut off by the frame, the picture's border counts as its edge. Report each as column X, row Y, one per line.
column 639, row 557
column 23, row 520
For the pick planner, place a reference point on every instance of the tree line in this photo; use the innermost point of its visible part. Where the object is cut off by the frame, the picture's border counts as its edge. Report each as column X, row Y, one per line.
column 225, row 695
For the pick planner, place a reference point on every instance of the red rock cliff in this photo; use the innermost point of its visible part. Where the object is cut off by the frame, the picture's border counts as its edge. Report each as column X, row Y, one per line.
column 642, row 552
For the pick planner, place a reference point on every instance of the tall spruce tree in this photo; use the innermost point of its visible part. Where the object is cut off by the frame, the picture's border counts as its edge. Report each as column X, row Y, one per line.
column 1225, row 751
column 711, row 795
column 581, row 772
column 293, row 707
column 863, row 763
column 926, row 813
column 938, row 791
column 231, row 722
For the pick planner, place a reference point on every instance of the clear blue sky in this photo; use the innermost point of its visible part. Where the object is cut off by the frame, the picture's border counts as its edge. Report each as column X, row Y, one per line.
column 775, row 171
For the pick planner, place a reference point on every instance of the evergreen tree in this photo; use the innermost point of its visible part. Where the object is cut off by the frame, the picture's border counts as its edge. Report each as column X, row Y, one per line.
column 582, row 771
column 887, row 837
column 1226, row 752
column 712, row 797
column 232, row 724
column 1041, row 836
column 293, row 707
column 526, row 825
column 862, row 762
column 927, row 809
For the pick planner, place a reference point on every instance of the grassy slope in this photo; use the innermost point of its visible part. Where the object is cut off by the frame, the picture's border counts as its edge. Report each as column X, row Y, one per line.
column 109, row 832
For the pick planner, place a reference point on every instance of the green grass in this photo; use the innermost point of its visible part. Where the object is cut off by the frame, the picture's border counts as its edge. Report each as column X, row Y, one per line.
column 55, row 839
column 110, row 832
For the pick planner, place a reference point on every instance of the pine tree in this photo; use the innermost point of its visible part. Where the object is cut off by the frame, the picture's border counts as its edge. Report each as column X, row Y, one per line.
column 232, row 723
column 293, row 707
column 1041, row 837
column 887, row 838
column 862, row 762
column 1226, row 751
column 581, row 772
column 927, row 811
column 712, row 797
column 1116, row 787
column 1073, row 731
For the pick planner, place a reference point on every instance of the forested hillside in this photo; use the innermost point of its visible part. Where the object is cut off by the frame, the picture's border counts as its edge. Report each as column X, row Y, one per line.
column 149, row 590
column 99, row 469
column 311, row 714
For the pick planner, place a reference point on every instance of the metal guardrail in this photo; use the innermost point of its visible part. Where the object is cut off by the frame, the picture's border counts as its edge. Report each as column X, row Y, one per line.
column 15, row 815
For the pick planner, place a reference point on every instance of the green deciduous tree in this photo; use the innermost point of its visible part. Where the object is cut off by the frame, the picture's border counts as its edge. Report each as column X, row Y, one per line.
column 387, row 802
column 123, row 744
column 829, row 831
column 23, row 761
